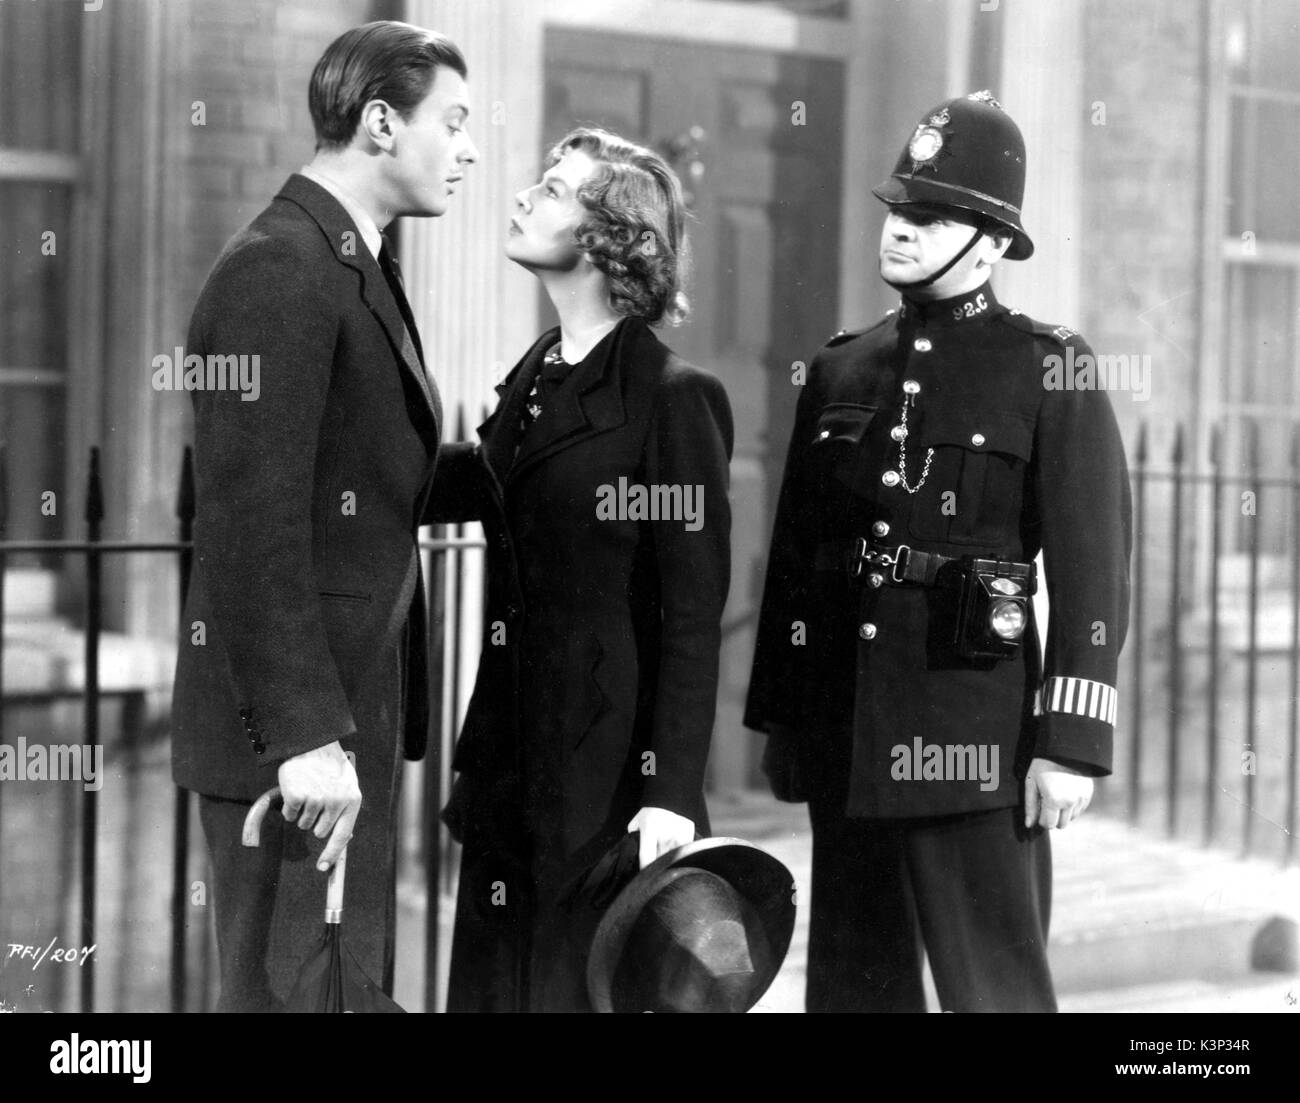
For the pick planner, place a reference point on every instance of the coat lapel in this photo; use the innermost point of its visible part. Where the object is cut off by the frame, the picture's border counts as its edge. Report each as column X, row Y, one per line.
column 592, row 403
column 335, row 222
column 500, row 432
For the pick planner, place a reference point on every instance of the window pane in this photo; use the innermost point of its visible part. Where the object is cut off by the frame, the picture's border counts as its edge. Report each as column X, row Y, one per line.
column 40, row 59
column 1275, row 44
column 1261, row 336
column 1260, row 372
column 32, row 424
column 33, row 280
column 1264, row 169
column 33, row 351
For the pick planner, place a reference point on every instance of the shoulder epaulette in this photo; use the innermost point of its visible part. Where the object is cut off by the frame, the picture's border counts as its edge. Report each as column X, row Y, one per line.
column 1063, row 335
column 848, row 334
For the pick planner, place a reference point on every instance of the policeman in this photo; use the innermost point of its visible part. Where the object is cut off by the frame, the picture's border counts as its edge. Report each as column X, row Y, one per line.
column 897, row 670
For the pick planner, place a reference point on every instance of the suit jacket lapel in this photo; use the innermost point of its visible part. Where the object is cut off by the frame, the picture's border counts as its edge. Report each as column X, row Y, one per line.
column 591, row 403
column 335, row 222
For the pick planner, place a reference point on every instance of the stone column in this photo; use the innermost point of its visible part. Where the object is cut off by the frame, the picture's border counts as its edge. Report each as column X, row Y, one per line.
column 1042, row 88
column 477, row 312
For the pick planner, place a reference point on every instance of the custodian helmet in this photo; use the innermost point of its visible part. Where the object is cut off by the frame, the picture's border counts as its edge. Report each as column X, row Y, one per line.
column 966, row 153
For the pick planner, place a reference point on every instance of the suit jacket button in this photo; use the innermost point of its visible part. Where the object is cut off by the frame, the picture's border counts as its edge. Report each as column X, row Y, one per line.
column 867, row 631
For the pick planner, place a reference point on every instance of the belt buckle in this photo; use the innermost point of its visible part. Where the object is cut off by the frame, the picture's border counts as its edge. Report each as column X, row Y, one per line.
column 859, row 557
column 901, row 557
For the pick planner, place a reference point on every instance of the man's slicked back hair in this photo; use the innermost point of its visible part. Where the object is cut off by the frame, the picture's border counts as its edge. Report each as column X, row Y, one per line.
column 386, row 60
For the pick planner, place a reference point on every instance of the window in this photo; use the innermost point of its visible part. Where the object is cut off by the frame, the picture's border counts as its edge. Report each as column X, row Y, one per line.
column 1261, row 251
column 40, row 52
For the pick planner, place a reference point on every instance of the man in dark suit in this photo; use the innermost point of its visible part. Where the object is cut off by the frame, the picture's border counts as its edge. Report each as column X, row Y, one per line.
column 897, row 670
column 305, row 617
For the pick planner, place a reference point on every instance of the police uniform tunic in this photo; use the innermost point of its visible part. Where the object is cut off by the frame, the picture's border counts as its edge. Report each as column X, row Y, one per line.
column 941, row 432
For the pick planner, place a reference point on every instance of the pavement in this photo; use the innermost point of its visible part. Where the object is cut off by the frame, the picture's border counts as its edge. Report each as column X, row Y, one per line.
column 1139, row 923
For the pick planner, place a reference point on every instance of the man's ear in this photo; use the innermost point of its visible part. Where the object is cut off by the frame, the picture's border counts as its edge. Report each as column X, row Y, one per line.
column 376, row 124
column 999, row 241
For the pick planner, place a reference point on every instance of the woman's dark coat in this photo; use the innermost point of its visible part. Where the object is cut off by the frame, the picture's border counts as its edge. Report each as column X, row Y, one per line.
column 598, row 678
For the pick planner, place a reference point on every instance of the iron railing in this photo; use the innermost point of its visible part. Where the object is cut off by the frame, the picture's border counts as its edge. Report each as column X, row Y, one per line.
column 1172, row 635
column 447, row 600
column 1216, row 592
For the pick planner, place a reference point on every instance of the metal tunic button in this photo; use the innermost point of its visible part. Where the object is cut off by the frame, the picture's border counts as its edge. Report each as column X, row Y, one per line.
column 880, row 528
column 890, row 478
column 911, row 386
column 823, row 434
column 899, row 432
column 867, row 631
column 922, row 344
column 977, row 439
column 875, row 580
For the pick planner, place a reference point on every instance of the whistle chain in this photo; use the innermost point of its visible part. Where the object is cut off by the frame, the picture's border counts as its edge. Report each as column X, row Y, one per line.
column 902, row 454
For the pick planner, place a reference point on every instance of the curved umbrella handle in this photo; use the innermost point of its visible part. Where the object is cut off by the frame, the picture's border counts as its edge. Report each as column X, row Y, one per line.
column 256, row 814
column 252, row 837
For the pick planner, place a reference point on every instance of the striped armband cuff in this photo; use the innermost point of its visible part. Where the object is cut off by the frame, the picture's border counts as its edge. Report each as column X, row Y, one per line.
column 1080, row 697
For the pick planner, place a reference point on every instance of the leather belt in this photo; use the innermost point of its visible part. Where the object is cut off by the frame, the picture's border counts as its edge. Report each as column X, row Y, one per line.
column 904, row 564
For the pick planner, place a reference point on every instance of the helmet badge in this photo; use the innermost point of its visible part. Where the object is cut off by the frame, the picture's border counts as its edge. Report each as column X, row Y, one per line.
column 985, row 96
column 927, row 142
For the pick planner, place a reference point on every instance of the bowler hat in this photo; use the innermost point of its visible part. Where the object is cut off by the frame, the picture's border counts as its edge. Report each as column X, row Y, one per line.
column 704, row 927
column 967, row 153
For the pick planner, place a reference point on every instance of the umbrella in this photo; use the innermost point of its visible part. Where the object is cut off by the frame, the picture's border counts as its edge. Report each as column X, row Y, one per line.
column 330, row 980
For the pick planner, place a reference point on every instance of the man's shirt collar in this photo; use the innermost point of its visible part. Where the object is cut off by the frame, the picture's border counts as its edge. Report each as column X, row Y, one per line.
column 365, row 224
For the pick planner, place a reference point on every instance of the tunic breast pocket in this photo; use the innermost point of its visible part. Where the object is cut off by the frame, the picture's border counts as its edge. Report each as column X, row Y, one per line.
column 975, row 489
column 842, row 423
column 838, row 444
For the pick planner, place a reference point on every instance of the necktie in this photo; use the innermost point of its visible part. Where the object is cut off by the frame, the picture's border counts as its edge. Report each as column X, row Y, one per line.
column 553, row 372
column 393, row 275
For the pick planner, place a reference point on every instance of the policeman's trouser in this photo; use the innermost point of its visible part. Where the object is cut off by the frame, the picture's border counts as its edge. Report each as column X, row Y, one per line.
column 974, row 890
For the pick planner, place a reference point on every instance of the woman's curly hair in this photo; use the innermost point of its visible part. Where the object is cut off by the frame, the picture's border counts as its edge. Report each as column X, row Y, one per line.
column 634, row 228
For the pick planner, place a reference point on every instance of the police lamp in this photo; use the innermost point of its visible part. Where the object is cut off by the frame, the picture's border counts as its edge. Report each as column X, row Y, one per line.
column 993, row 610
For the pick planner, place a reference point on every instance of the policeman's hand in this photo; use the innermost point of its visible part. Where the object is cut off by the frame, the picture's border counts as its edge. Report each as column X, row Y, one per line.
column 781, row 765
column 1055, row 794
column 661, row 831
column 320, row 792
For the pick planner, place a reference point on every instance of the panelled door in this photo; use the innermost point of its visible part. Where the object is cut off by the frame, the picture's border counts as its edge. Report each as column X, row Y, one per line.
column 755, row 137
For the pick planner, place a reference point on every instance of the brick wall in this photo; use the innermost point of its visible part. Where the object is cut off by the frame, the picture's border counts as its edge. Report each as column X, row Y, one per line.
column 248, row 62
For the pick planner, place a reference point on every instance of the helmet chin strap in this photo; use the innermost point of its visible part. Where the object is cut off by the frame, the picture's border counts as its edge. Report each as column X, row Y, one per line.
column 916, row 285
